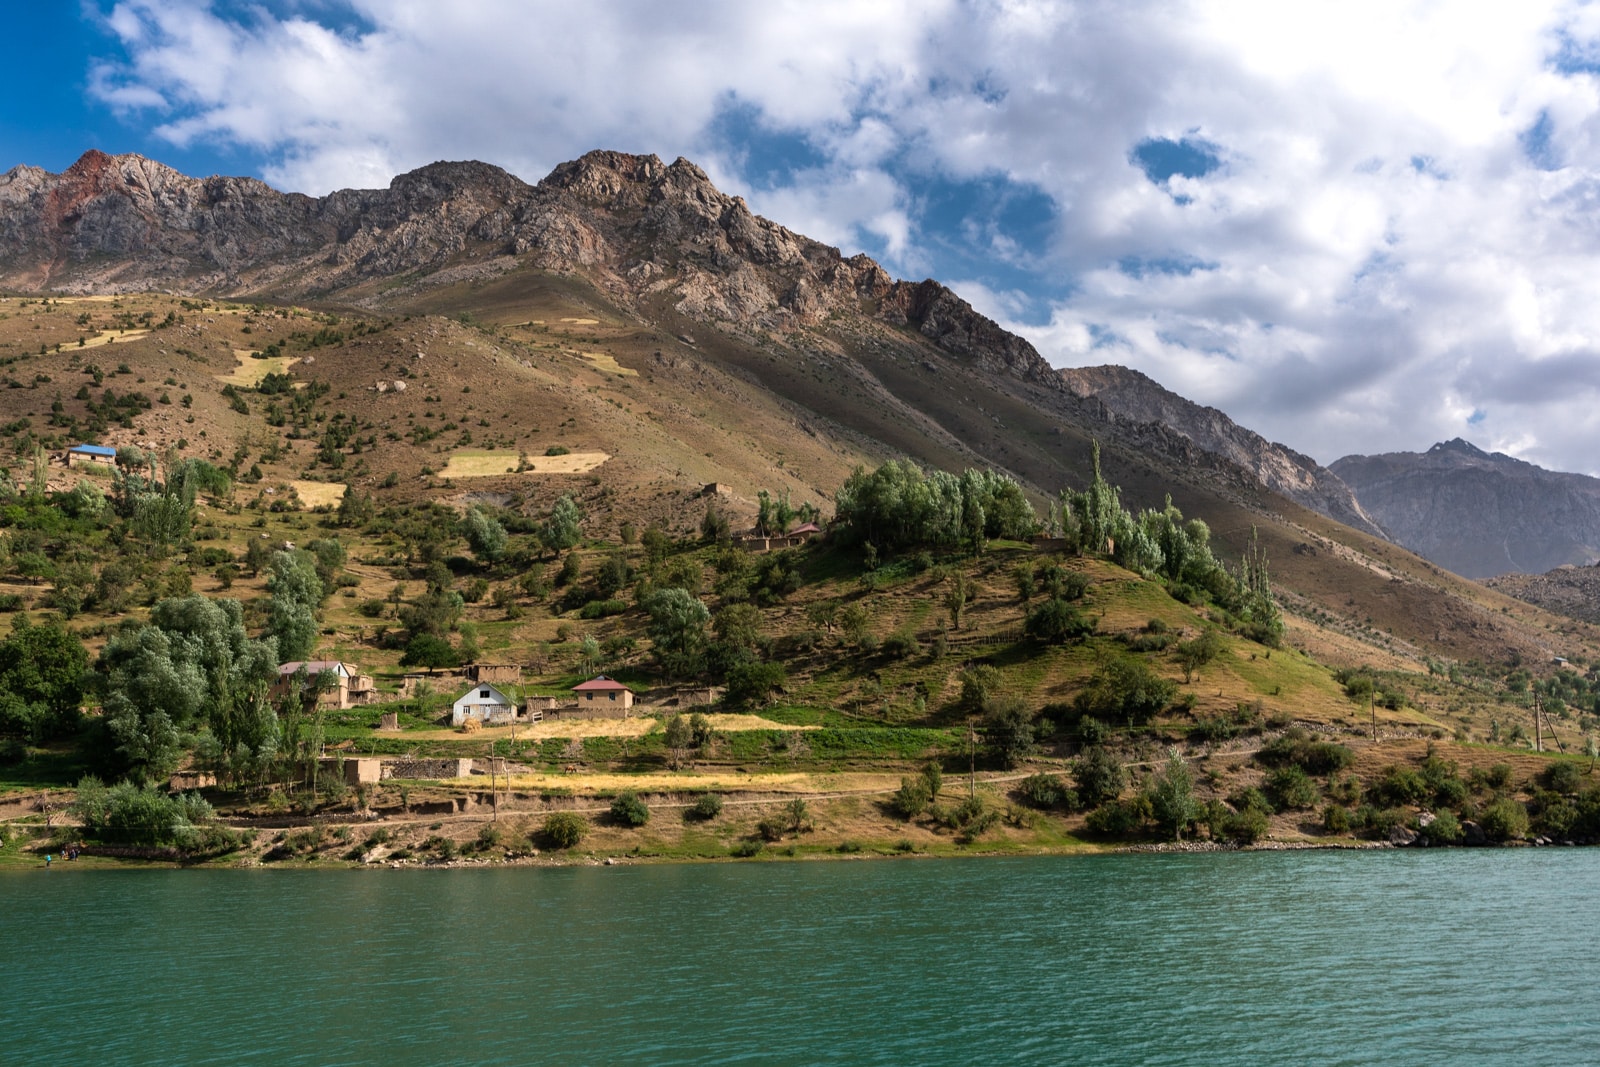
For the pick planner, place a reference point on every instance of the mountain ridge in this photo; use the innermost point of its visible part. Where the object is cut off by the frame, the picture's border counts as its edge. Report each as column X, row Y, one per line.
column 1479, row 513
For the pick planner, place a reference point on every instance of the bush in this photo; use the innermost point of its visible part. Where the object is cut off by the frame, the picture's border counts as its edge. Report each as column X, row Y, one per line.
column 564, row 829
column 1336, row 819
column 600, row 609
column 1246, row 827
column 1043, row 791
column 1099, row 776
column 1125, row 688
column 912, row 798
column 1296, row 748
column 1057, row 622
column 1119, row 818
column 1291, row 788
column 628, row 810
column 705, row 808
column 1445, row 829
column 746, row 849
column 1562, row 777
column 1504, row 819
column 372, row 609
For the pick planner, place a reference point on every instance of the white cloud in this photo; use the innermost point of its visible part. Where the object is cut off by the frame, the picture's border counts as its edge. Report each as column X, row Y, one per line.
column 1377, row 263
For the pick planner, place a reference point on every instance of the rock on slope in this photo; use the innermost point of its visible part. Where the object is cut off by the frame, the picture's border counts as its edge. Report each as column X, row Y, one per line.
column 1136, row 397
column 1478, row 513
column 1571, row 591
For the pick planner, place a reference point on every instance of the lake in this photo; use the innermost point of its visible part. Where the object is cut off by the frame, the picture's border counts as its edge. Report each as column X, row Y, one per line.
column 1392, row 957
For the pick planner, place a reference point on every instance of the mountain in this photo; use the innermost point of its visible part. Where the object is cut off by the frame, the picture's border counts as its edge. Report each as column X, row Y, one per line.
column 626, row 309
column 1479, row 513
column 1568, row 590
column 1136, row 397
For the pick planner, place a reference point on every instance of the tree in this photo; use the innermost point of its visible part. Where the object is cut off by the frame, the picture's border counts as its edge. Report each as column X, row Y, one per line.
column 296, row 592
column 753, row 683
column 564, row 526
column 1172, row 801
column 679, row 739
column 42, row 678
column 1099, row 776
column 193, row 666
column 564, row 829
column 957, row 592
column 429, row 652
column 1008, row 726
column 1124, row 687
column 1194, row 654
column 484, row 534
column 1056, row 622
column 677, row 631
column 628, row 810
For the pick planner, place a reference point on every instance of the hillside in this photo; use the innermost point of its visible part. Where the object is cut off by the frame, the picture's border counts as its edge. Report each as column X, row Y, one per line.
column 377, row 368
column 1478, row 513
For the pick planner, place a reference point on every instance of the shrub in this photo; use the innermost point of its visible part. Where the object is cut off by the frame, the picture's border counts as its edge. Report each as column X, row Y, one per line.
column 628, row 810
column 1123, row 687
column 1445, row 829
column 1057, row 622
column 1296, row 748
column 1042, row 790
column 372, row 609
column 746, row 849
column 1246, row 827
column 1504, row 819
column 600, row 609
column 1400, row 785
column 912, row 798
column 1099, row 776
column 1291, row 788
column 1562, row 777
column 564, row 829
column 705, row 808
column 1336, row 819
column 1119, row 818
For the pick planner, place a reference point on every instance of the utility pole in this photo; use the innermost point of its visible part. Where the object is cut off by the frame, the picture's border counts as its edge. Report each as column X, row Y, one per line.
column 1372, row 706
column 1538, row 737
column 972, row 761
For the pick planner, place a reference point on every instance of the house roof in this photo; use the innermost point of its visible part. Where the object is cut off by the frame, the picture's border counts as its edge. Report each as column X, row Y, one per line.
column 499, row 696
column 313, row 667
column 809, row 527
column 600, row 683
column 93, row 450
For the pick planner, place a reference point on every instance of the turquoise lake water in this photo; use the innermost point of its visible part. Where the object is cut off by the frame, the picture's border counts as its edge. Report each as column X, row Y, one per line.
column 1441, row 957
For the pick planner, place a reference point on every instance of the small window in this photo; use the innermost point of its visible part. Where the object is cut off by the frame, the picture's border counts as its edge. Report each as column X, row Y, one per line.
column 613, row 697
column 483, row 694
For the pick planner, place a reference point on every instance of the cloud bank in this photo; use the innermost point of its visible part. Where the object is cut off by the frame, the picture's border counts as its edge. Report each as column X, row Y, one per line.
column 1354, row 227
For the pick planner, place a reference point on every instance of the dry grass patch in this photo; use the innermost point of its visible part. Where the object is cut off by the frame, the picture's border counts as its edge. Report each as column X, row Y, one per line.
column 607, row 363
column 470, row 463
column 316, row 494
column 109, row 337
column 635, row 726
column 583, row 322
column 250, row 371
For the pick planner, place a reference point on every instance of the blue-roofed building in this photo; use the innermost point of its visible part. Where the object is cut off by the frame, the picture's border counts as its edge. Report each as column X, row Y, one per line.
column 91, row 454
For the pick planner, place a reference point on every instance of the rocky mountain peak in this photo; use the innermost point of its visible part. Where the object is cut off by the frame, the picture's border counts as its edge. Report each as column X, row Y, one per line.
column 1136, row 397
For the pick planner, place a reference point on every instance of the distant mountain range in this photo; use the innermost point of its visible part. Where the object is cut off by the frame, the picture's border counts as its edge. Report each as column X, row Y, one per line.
column 1479, row 513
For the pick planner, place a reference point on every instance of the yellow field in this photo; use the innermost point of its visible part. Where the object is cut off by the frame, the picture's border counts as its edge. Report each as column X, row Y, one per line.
column 583, row 322
column 316, row 494
column 249, row 372
column 602, row 361
column 480, row 464
column 636, row 726
column 110, row 337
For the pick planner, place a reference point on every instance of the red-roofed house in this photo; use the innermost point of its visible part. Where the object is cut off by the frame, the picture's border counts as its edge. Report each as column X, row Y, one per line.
column 601, row 691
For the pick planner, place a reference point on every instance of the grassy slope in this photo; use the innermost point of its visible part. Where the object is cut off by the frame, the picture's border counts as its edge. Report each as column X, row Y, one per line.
column 772, row 417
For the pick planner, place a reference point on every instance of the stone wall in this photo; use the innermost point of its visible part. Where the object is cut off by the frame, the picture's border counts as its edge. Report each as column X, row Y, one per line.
column 427, row 768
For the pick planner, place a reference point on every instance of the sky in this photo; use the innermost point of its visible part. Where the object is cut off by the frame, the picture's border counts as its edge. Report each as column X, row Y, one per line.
column 1354, row 227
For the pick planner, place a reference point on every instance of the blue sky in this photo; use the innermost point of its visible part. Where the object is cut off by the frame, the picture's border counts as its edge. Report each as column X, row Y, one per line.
column 1354, row 227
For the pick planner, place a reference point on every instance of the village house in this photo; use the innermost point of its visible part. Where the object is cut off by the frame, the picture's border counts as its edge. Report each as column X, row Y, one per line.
column 494, row 672
column 91, row 454
column 350, row 687
column 483, row 702
column 601, row 691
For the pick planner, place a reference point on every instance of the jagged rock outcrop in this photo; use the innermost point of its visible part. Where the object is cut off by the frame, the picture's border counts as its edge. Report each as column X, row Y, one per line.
column 1570, row 591
column 1139, row 399
column 633, row 224
column 1479, row 513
